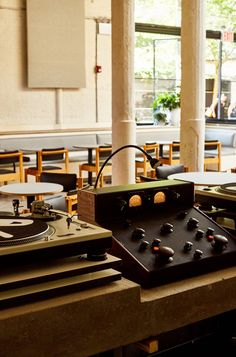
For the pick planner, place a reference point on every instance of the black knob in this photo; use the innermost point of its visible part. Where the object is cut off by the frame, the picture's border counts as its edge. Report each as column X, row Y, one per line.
column 210, row 231
column 192, row 223
column 166, row 253
column 188, row 246
column 182, row 214
column 155, row 245
column 210, row 234
column 144, row 245
column 219, row 242
column 174, row 195
column 138, row 233
column 198, row 254
column 127, row 223
column 121, row 204
column 199, row 234
column 167, row 228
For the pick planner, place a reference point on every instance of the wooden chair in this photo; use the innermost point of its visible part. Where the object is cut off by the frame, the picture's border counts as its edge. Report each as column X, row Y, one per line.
column 11, row 166
column 212, row 154
column 44, row 157
column 102, row 153
column 172, row 155
column 152, row 148
column 162, row 172
column 69, row 181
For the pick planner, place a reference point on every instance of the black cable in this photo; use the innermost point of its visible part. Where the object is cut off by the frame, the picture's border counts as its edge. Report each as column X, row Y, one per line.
column 153, row 161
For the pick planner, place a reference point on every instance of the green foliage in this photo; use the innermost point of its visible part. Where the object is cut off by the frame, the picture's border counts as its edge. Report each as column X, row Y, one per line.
column 160, row 117
column 167, row 100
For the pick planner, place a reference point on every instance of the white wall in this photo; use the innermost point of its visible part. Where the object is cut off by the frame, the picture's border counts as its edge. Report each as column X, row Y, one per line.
column 22, row 108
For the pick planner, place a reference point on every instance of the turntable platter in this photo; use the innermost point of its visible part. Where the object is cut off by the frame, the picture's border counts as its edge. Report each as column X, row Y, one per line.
column 14, row 230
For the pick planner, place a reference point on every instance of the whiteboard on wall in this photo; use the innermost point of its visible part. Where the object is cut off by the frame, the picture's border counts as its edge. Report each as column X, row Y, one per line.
column 56, row 43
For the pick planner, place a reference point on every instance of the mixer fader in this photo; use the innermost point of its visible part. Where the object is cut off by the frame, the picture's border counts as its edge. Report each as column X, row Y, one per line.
column 158, row 233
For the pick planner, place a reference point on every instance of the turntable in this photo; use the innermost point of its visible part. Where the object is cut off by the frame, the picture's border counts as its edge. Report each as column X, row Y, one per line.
column 39, row 258
column 222, row 196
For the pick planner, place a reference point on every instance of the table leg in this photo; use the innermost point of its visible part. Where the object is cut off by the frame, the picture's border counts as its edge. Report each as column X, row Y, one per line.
column 90, row 161
column 30, row 199
column 161, row 150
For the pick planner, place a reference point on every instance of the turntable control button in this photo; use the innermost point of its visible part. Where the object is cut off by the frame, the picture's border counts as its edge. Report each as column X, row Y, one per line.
column 198, row 254
column 192, row 223
column 167, row 228
column 199, row 234
column 144, row 245
column 138, row 233
column 84, row 225
column 188, row 246
column 220, row 242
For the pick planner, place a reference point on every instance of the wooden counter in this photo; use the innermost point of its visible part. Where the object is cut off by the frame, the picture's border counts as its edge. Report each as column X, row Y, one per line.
column 106, row 317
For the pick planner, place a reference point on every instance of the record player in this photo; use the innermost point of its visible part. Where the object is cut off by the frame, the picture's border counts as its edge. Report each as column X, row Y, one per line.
column 47, row 252
column 222, row 196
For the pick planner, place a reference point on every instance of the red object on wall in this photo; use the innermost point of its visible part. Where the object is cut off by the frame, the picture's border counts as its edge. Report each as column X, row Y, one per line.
column 98, row 69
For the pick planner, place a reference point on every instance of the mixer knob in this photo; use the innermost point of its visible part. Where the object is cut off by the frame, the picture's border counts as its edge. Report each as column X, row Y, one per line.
column 192, row 223
column 138, row 233
column 167, row 228
column 210, row 231
column 182, row 214
column 166, row 253
column 144, row 245
column 155, row 245
column 199, row 234
column 174, row 195
column 220, row 242
column 198, row 254
column 127, row 223
column 121, row 204
column 210, row 234
column 188, row 246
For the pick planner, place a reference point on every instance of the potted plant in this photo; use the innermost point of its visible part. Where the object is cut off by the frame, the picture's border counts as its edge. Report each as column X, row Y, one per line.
column 168, row 102
column 160, row 117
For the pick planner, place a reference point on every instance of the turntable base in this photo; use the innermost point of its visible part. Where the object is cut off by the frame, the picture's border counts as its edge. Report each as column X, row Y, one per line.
column 41, row 259
column 39, row 281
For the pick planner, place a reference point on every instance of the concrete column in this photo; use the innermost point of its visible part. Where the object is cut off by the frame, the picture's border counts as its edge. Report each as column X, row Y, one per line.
column 192, row 130
column 123, row 118
column 59, row 106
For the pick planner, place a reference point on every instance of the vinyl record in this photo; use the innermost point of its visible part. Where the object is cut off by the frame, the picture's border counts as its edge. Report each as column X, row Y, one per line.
column 18, row 230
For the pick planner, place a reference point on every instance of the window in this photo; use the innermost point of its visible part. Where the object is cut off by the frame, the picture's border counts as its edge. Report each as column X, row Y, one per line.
column 157, row 56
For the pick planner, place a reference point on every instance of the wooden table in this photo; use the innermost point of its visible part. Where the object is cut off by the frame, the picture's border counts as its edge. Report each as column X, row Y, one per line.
column 208, row 178
column 90, row 149
column 31, row 190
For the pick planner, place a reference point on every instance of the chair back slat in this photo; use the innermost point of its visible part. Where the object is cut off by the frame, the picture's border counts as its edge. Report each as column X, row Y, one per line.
column 53, row 154
column 67, row 180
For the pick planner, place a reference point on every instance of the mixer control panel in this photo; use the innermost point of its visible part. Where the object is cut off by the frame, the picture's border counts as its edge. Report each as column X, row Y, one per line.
column 159, row 234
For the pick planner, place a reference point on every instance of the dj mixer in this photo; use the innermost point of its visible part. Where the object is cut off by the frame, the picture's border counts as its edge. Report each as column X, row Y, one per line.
column 157, row 231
